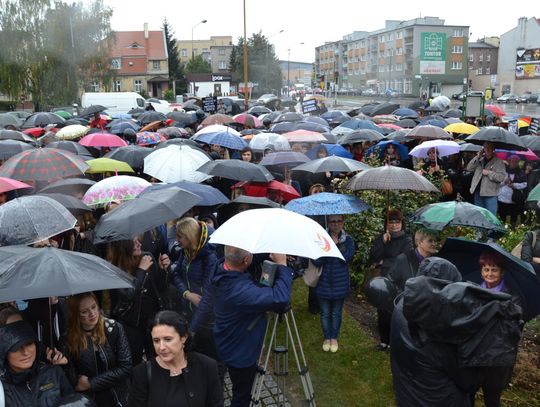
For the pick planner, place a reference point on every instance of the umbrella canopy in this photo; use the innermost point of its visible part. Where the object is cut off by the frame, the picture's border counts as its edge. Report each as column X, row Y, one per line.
column 275, row 230
column 400, row 136
column 389, row 126
column 326, row 203
column 228, row 138
column 209, row 195
column 173, row 132
column 497, row 110
column 330, row 149
column 361, row 135
column 390, row 178
column 70, row 146
column 357, row 124
column 258, row 201
column 132, row 155
column 379, row 149
column 9, row 120
column 434, row 122
column 143, row 213
column 15, row 135
column 151, row 116
column 276, row 142
column 179, row 142
column 152, row 126
column 247, row 119
column 119, row 126
column 117, row 188
column 281, row 190
column 534, row 195
column 71, row 132
column 455, row 113
column 468, row 147
column 519, row 275
column 283, row 127
column 103, row 164
column 70, row 186
column 441, row 102
column 333, row 114
column 185, row 119
column 332, row 164
column 176, row 163
column 288, row 117
column 500, row 137
column 90, row 110
column 148, row 138
column 27, row 273
column 290, row 158
column 405, row 112
column 258, row 110
column 454, row 213
column 528, row 155
column 304, row 136
column 303, row 125
column 71, row 203
column 9, row 148
column 102, row 140
column 428, row 132
column 43, row 164
column 42, row 119
column 217, row 128
column 384, row 108
column 319, row 120
column 32, row 218
column 443, row 147
column 237, row 170
column 461, row 128
column 218, row 118
column 8, row 184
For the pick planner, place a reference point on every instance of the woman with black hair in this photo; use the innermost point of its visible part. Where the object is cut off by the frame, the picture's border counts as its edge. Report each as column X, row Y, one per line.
column 176, row 376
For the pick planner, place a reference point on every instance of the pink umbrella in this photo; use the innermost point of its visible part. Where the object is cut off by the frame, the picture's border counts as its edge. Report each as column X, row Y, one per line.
column 527, row 155
column 8, row 184
column 304, row 136
column 247, row 120
column 102, row 140
column 389, row 126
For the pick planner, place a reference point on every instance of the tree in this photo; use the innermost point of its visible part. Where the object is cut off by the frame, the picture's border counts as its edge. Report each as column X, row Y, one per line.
column 176, row 68
column 198, row 65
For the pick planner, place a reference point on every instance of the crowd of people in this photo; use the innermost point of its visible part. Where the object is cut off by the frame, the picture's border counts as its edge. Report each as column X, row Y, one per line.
column 196, row 310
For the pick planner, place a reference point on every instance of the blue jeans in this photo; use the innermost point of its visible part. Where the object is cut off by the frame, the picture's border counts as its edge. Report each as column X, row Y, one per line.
column 331, row 311
column 487, row 202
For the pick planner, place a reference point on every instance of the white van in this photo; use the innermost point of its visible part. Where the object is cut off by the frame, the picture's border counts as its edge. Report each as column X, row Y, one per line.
column 115, row 102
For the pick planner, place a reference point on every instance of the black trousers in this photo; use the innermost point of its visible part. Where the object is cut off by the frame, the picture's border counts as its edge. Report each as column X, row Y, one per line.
column 384, row 318
column 242, row 382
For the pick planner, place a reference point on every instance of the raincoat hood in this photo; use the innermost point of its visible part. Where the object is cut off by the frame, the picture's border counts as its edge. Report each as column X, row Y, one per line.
column 438, row 267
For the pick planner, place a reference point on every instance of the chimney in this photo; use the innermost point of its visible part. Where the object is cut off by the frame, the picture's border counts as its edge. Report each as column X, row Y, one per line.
column 145, row 31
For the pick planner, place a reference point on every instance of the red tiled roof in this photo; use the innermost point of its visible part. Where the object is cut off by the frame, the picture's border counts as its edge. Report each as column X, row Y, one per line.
column 153, row 47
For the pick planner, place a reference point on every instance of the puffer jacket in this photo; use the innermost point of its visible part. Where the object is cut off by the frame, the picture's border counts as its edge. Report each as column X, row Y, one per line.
column 334, row 282
column 114, row 356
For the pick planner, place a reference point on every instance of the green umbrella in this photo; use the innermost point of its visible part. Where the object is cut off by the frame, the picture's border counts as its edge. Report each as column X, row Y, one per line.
column 64, row 114
column 534, row 195
column 454, row 213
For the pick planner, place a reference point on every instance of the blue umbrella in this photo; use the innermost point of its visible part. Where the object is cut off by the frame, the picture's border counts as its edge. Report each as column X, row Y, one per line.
column 519, row 275
column 379, row 148
column 331, row 149
column 356, row 124
column 210, row 196
column 327, row 203
column 332, row 114
column 434, row 122
column 404, row 111
column 223, row 139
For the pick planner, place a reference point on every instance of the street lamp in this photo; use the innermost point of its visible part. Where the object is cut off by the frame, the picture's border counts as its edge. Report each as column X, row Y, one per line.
column 192, row 28
column 266, row 60
column 289, row 67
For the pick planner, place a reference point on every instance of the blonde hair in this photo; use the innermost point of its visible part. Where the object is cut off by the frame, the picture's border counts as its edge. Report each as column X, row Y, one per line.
column 76, row 337
column 190, row 228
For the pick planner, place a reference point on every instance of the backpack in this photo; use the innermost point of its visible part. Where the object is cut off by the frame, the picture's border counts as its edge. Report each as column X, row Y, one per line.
column 516, row 251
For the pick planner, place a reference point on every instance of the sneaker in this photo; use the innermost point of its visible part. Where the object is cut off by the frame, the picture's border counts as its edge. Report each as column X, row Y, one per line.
column 383, row 347
column 326, row 346
column 334, row 346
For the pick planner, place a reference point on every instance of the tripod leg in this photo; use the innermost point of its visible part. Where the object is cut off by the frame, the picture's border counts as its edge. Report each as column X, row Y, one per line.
column 262, row 368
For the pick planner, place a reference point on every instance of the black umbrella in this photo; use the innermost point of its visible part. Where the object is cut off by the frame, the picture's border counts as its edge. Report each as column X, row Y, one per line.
column 318, row 120
column 144, row 213
column 331, row 138
column 72, row 204
column 27, row 273
column 42, row 119
column 8, row 148
column 77, row 120
column 136, row 111
column 209, row 195
column 247, row 132
column 182, row 118
column 367, row 109
column 119, row 126
column 237, row 170
column 69, row 186
column 390, row 178
column 151, row 116
column 15, row 135
column 311, row 127
column 90, row 110
column 258, row 110
column 359, row 136
column 399, row 135
column 406, row 123
column 7, row 119
column 70, row 146
column 288, row 117
column 500, row 137
column 332, row 163
column 453, row 113
column 132, row 155
column 256, row 200
column 418, row 105
column 173, row 132
column 283, row 127
column 519, row 275
column 384, row 108
column 339, row 120
column 469, row 148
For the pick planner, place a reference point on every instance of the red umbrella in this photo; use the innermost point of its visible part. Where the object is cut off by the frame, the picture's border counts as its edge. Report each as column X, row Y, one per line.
column 263, row 189
column 35, row 132
column 102, row 140
column 497, row 110
column 247, row 120
column 218, row 118
column 8, row 184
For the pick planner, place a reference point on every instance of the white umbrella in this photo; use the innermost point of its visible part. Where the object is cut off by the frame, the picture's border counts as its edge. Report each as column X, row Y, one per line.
column 443, row 147
column 72, row 131
column 217, row 128
column 441, row 102
column 262, row 141
column 176, row 163
column 276, row 230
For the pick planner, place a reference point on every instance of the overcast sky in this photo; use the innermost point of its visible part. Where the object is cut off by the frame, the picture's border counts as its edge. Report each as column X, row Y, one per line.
column 308, row 21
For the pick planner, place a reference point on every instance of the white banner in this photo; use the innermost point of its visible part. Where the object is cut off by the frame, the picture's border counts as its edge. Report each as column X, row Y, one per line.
column 433, row 67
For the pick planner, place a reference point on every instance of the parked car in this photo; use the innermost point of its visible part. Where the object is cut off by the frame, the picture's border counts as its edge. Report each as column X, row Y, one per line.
column 266, row 97
column 459, row 96
column 507, row 98
column 528, row 97
column 160, row 105
column 462, row 95
column 369, row 92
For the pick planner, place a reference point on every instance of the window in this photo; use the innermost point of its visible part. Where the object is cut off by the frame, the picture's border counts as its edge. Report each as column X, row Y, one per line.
column 156, row 65
column 479, row 71
column 481, row 57
column 137, row 85
column 116, row 63
column 95, row 86
column 381, row 68
column 222, row 65
column 457, row 65
column 399, row 35
column 390, row 37
column 363, row 44
column 471, row 57
column 407, row 86
column 458, row 32
column 399, row 67
column 195, row 51
column 116, row 86
column 183, row 52
column 457, row 49
column 399, row 51
column 205, row 50
column 488, row 58
column 487, row 71
column 381, row 38
column 221, row 51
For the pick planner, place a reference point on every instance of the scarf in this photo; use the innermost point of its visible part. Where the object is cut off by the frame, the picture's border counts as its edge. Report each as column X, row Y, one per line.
column 191, row 255
column 498, row 288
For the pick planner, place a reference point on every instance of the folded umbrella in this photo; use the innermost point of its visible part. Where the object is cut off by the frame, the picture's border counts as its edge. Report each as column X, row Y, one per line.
column 237, row 170
column 326, row 203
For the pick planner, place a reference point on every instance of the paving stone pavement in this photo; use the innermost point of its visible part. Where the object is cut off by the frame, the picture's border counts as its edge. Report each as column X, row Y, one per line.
column 271, row 394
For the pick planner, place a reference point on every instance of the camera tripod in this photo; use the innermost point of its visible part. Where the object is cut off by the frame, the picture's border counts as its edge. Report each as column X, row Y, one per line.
column 281, row 359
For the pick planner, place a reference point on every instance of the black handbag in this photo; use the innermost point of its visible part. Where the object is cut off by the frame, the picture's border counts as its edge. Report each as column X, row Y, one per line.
column 519, row 196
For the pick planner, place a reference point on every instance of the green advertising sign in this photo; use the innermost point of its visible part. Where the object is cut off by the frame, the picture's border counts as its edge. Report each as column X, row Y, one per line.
column 432, row 46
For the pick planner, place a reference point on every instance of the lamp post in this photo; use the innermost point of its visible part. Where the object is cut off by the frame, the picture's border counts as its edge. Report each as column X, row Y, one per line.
column 289, row 68
column 266, row 59
column 193, row 28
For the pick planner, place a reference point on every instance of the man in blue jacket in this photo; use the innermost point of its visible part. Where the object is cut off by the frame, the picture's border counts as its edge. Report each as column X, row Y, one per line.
column 240, row 305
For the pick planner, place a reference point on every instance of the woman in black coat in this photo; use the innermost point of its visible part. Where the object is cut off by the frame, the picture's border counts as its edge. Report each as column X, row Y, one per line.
column 175, row 377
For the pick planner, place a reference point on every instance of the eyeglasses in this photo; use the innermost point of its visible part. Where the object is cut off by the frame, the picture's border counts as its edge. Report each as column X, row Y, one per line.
column 335, row 221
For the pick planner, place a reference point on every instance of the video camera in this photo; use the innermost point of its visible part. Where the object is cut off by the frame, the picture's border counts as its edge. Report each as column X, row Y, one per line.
column 269, row 269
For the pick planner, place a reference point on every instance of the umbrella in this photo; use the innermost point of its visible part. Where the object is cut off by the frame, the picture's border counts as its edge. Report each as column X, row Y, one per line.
column 35, row 131
column 276, row 142
column 441, row 102
column 71, row 203
column 330, row 138
column 385, row 119
column 9, row 120
column 290, row 158
column 43, row 164
column 434, row 122
column 180, row 142
column 416, row 105
column 185, row 119
column 237, row 170
column 32, row 218
column 357, row 124
column 209, row 195
column 117, row 188
column 63, row 114
column 342, row 119
column 132, row 155
column 103, row 164
column 455, row 113
column 147, row 138
column 275, row 230
column 136, row 111
column 332, row 164
column 8, row 184
column 519, row 275
column 304, row 136
column 406, row 123
column 69, row 186
column 443, row 147
column 528, row 155
column 283, row 127
column 72, row 132
column 247, row 120
column 390, row 178
column 217, row 128
column 9, row 148
column 120, row 126
column 497, row 110
column 284, row 191
column 534, row 195
column 42, row 119
column 303, row 125
column 152, row 126
column 144, row 213
column 102, row 140
column 390, row 126
column 326, row 203
column 454, row 213
column 258, row 201
column 176, row 163
column 500, row 137
column 428, row 132
column 218, row 118
column 380, row 147
column 258, row 110
column 222, row 138
column 70, row 146
column 331, row 149
column 90, row 110
column 461, row 128
column 400, row 136
column 468, row 147
column 15, row 135
column 151, row 116
column 384, row 108
column 288, row 117
column 361, row 135
column 173, row 132
column 333, row 114
column 404, row 111
column 27, row 273
column 318, row 120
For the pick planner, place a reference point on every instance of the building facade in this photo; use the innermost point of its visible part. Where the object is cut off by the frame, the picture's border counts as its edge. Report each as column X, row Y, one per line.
column 482, row 64
column 216, row 51
column 414, row 57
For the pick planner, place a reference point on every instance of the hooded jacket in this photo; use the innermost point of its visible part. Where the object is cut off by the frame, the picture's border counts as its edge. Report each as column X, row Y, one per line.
column 40, row 386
